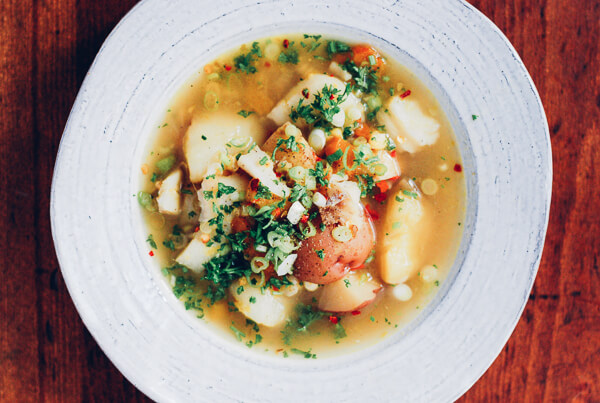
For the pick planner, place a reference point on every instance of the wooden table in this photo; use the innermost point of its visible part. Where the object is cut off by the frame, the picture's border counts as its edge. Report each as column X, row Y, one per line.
column 46, row 354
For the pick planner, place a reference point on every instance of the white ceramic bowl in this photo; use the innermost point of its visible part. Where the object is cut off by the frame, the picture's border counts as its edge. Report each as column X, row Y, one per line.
column 171, row 356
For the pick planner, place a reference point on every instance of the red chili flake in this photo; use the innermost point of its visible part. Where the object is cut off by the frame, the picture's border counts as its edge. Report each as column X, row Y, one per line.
column 304, row 219
column 254, row 184
column 286, row 43
column 393, row 153
column 196, row 229
column 380, row 197
column 334, row 319
column 267, row 64
column 151, row 253
column 355, row 313
column 227, row 67
column 305, row 93
column 332, row 97
column 457, row 168
column 371, row 212
column 405, row 94
column 275, row 288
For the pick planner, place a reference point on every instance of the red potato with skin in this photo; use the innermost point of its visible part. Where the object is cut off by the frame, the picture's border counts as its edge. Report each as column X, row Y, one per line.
column 338, row 257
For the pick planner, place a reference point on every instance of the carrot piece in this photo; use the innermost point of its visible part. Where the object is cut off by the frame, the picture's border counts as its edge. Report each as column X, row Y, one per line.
column 383, row 186
column 361, row 54
column 363, row 130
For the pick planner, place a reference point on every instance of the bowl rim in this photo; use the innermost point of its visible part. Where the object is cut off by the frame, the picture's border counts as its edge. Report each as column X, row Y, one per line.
column 80, row 301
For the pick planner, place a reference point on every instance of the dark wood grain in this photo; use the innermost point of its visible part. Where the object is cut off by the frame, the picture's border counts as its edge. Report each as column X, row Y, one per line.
column 46, row 354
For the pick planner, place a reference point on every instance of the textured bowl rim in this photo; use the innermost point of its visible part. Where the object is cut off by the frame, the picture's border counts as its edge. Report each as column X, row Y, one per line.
column 80, row 302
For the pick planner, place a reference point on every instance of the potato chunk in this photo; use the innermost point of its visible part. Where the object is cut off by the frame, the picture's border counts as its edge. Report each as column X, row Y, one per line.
column 263, row 308
column 209, row 133
column 349, row 294
column 257, row 164
column 304, row 157
column 401, row 246
column 169, row 194
column 313, row 84
column 408, row 125
column 196, row 253
column 216, row 192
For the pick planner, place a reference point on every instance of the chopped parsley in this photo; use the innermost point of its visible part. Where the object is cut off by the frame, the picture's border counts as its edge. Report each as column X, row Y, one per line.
column 338, row 331
column 245, row 113
column 245, row 62
column 291, row 57
column 263, row 192
column 223, row 189
column 321, row 254
column 151, row 242
column 334, row 47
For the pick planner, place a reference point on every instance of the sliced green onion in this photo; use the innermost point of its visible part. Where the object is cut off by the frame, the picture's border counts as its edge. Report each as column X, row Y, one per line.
column 379, row 169
column 213, row 77
column 372, row 60
column 166, row 164
column 307, row 229
column 258, row 264
column 310, row 182
column 297, row 173
column 341, row 233
column 240, row 142
column 145, row 200
column 211, row 101
column 259, row 284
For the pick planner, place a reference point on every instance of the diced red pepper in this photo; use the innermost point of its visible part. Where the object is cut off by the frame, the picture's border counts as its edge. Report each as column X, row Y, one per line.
column 332, row 97
column 279, row 174
column 405, row 94
column 227, row 67
column 276, row 212
column 286, row 43
column 267, row 64
column 393, row 153
column 380, row 197
column 457, row 168
column 151, row 253
column 304, row 219
column 334, row 319
column 274, row 288
column 196, row 229
column 355, row 313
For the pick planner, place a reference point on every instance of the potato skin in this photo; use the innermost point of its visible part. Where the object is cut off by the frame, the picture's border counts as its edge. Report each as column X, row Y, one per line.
column 305, row 157
column 340, row 257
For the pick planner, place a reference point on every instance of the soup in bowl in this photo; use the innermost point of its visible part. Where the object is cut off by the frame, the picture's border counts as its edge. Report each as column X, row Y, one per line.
column 304, row 194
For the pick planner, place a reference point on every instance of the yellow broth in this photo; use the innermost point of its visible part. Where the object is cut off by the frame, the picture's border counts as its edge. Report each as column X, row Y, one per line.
column 259, row 92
